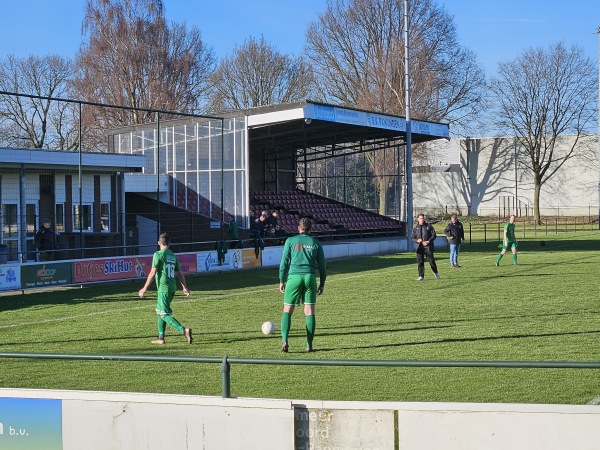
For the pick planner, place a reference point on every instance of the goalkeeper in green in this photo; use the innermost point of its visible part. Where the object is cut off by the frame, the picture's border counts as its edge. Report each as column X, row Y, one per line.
column 509, row 241
column 302, row 255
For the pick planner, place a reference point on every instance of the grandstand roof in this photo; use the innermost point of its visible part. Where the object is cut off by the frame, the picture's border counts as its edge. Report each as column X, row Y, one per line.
column 57, row 159
column 320, row 128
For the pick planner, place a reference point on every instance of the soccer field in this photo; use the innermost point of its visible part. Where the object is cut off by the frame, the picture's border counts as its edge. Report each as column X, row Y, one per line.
column 546, row 309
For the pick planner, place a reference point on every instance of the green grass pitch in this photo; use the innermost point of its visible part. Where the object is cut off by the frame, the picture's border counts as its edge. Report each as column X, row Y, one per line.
column 546, row 309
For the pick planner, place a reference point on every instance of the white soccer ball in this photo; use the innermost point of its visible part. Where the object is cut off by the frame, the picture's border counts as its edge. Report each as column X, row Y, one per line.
column 268, row 328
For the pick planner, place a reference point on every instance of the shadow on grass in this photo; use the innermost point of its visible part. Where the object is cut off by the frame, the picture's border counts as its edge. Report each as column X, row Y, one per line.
column 455, row 340
column 213, row 283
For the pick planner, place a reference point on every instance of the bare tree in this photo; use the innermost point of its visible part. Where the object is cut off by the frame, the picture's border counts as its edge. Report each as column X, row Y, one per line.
column 33, row 120
column 258, row 75
column 541, row 95
column 135, row 59
column 357, row 51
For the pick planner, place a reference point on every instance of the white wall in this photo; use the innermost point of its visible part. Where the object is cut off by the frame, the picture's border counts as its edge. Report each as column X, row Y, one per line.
column 130, row 421
column 489, row 176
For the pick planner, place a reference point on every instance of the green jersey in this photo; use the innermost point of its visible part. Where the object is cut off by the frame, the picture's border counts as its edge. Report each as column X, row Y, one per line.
column 166, row 264
column 302, row 254
column 510, row 231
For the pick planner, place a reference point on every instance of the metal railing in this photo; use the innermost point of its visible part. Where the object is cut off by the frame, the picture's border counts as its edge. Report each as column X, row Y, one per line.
column 495, row 231
column 227, row 361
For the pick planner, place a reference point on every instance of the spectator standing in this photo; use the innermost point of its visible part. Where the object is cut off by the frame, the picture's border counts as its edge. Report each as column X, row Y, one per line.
column 424, row 236
column 232, row 234
column 456, row 235
column 45, row 241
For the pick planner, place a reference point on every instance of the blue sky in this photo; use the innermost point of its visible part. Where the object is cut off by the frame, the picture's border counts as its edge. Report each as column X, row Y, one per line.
column 496, row 30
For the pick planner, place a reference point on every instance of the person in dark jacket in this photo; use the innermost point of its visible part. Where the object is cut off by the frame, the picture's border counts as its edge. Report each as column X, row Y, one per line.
column 45, row 241
column 233, row 234
column 456, row 234
column 424, row 235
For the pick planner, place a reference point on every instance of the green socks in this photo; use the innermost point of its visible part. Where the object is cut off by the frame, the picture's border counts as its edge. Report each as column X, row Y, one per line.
column 514, row 257
column 162, row 325
column 173, row 323
column 286, row 323
column 311, row 325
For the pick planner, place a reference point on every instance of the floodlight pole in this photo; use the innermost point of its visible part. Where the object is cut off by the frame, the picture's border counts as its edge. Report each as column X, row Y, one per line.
column 598, row 33
column 409, row 190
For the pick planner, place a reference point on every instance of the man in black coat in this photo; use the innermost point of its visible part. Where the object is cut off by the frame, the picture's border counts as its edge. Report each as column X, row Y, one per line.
column 45, row 241
column 424, row 236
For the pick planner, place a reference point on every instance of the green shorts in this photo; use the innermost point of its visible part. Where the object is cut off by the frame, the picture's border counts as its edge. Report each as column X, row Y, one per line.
column 163, row 302
column 511, row 245
column 300, row 288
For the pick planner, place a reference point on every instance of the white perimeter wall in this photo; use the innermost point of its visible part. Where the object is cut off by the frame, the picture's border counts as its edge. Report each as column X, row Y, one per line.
column 492, row 169
column 130, row 421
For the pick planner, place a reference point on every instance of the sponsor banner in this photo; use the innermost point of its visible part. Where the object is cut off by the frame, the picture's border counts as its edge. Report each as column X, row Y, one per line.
column 271, row 256
column 10, row 277
column 30, row 423
column 209, row 261
column 111, row 269
column 249, row 259
column 386, row 122
column 187, row 262
column 46, row 275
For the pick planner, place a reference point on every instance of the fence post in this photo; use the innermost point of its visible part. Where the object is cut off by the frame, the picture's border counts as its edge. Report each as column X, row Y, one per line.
column 225, row 378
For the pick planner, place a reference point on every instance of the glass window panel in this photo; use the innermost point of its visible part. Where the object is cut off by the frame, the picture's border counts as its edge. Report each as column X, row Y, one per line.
column 166, row 148
column 82, row 217
column 240, row 145
column 205, row 184
column 179, row 155
column 9, row 220
column 149, row 151
column 215, row 155
column 30, row 218
column 59, row 216
column 191, row 147
column 228, row 153
column 215, row 192
column 137, row 141
column 124, row 143
column 203, row 153
column 105, row 216
column 13, row 250
column 240, row 206
column 229, row 193
column 181, row 197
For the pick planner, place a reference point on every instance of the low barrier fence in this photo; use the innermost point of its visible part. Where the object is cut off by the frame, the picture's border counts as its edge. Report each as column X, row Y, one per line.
column 495, row 231
column 226, row 363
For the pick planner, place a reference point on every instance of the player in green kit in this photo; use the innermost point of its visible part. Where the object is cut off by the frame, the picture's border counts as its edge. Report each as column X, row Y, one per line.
column 509, row 241
column 165, row 266
column 302, row 255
